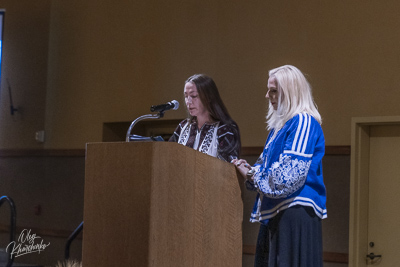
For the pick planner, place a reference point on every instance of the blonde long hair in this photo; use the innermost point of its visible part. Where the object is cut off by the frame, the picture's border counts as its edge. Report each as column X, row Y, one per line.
column 294, row 97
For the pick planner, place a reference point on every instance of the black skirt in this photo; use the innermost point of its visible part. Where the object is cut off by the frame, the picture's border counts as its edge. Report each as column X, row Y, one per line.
column 293, row 238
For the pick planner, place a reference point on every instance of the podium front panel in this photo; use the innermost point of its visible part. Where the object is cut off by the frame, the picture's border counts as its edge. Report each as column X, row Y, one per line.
column 160, row 204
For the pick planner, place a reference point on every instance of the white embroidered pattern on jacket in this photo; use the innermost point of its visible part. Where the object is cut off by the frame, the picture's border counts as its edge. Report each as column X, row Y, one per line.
column 284, row 177
column 185, row 135
column 205, row 145
column 207, row 141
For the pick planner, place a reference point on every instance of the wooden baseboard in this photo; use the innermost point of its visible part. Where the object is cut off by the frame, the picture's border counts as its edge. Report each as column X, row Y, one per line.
column 247, row 249
column 328, row 256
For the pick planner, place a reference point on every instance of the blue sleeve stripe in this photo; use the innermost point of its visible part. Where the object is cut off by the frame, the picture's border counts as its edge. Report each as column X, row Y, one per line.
column 297, row 133
column 302, row 134
column 307, row 134
column 303, row 129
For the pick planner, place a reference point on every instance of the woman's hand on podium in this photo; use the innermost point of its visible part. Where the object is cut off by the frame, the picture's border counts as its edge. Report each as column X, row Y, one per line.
column 244, row 168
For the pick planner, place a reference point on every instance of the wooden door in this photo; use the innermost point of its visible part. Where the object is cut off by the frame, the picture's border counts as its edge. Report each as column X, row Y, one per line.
column 375, row 195
column 384, row 195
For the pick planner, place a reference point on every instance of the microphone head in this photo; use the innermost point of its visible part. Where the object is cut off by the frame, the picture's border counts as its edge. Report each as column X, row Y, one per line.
column 176, row 104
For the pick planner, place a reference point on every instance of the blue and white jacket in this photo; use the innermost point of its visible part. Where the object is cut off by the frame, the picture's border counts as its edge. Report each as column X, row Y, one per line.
column 289, row 171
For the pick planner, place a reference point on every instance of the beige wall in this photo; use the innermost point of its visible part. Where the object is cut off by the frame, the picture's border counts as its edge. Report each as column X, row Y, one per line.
column 24, row 65
column 110, row 62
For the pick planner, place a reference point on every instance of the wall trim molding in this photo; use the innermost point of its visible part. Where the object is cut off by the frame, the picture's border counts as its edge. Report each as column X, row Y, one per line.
column 10, row 153
column 246, row 151
column 64, row 234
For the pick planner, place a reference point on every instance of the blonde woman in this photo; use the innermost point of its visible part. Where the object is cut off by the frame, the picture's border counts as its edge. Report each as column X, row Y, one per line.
column 291, row 199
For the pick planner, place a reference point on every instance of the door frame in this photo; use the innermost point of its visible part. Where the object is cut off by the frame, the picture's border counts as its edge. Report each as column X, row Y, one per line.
column 359, row 181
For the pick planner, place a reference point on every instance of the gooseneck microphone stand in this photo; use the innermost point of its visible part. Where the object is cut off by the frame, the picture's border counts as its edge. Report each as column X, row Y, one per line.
column 148, row 116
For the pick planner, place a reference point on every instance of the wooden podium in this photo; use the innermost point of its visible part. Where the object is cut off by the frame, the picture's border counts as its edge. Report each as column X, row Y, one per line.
column 160, row 204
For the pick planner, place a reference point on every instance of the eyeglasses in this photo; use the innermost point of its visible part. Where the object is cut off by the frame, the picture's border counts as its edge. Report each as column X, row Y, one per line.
column 189, row 98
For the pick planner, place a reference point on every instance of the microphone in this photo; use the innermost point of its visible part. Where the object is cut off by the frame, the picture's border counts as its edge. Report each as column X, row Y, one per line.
column 174, row 105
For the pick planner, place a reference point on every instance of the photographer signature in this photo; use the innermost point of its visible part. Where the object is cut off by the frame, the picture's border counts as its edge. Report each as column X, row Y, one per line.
column 26, row 244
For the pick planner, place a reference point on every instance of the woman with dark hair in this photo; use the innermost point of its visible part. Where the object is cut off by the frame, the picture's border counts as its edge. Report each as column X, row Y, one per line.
column 291, row 199
column 208, row 128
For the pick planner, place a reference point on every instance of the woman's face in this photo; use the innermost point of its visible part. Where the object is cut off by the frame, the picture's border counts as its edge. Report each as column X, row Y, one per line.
column 193, row 102
column 272, row 94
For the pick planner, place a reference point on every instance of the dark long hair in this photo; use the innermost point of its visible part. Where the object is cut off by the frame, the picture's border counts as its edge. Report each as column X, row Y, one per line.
column 211, row 100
